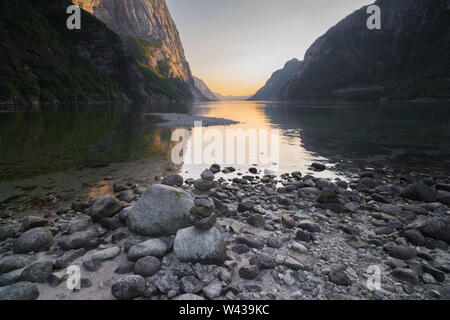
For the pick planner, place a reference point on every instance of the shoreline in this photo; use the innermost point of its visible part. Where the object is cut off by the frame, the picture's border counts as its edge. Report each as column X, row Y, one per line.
column 281, row 243
column 187, row 120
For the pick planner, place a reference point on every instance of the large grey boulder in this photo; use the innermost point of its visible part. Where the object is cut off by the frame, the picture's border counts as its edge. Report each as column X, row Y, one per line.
column 77, row 240
column 37, row 239
column 152, row 247
column 14, row 262
column 31, row 222
column 20, row 291
column 104, row 207
column 129, row 287
column 37, row 272
column 160, row 211
column 436, row 228
column 420, row 191
column 200, row 246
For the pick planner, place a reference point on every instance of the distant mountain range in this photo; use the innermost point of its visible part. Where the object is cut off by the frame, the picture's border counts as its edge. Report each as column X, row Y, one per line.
column 214, row 96
column 407, row 59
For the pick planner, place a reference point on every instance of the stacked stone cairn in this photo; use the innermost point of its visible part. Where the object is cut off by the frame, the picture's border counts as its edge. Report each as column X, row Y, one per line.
column 202, row 214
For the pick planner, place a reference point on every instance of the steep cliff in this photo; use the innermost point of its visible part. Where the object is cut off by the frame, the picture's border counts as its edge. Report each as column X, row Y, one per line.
column 277, row 81
column 38, row 64
column 204, row 89
column 146, row 25
column 408, row 58
column 42, row 61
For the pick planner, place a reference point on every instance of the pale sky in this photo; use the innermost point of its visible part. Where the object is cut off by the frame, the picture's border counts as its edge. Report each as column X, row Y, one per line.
column 235, row 45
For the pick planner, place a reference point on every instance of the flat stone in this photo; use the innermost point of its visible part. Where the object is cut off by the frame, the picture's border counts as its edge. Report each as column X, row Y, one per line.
column 67, row 258
column 152, row 247
column 106, row 254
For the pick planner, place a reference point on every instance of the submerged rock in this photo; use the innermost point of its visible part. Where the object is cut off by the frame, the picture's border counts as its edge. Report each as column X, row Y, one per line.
column 161, row 210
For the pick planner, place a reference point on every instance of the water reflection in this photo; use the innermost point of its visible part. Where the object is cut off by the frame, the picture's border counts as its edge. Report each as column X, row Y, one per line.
column 67, row 150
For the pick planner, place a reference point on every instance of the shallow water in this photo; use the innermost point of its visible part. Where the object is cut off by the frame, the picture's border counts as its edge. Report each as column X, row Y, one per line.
column 73, row 150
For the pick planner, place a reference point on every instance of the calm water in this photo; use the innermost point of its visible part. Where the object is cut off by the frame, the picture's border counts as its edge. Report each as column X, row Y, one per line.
column 52, row 149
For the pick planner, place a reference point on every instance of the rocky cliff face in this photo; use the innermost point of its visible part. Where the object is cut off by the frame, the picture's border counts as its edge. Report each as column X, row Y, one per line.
column 151, row 21
column 42, row 61
column 408, row 58
column 204, row 89
column 277, row 81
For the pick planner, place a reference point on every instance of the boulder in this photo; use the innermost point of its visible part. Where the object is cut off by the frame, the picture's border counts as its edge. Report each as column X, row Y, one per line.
column 79, row 225
column 401, row 252
column 14, row 262
column 36, row 240
column 204, row 185
column 173, row 181
column 10, row 278
column 257, row 221
column 129, row 287
column 152, row 247
column 106, row 254
column 31, row 222
column 78, row 239
column 200, row 246
column 190, row 284
column 245, row 206
column 436, row 228
column 318, row 166
column 7, row 232
column 67, row 258
column 207, row 175
column 37, row 272
column 160, row 211
column 147, row 266
column 419, row 191
column 20, row 291
column 104, row 207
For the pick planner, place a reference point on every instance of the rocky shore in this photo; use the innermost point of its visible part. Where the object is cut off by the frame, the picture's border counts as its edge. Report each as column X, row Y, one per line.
column 172, row 120
column 254, row 236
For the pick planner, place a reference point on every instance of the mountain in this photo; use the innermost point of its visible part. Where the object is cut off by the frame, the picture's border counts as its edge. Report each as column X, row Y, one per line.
column 230, row 97
column 277, row 81
column 149, row 33
column 408, row 58
column 42, row 61
column 203, row 87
